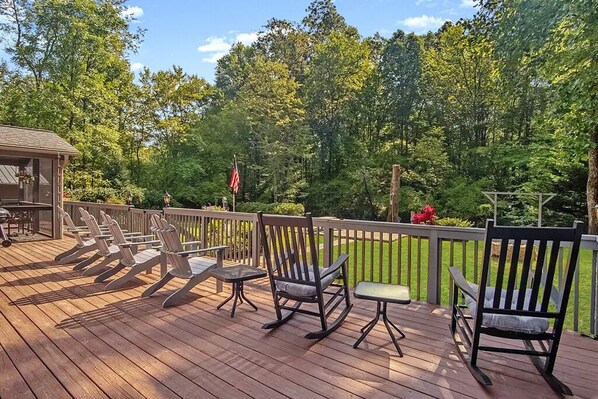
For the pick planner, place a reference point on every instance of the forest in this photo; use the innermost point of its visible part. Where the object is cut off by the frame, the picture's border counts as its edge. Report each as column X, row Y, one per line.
column 317, row 114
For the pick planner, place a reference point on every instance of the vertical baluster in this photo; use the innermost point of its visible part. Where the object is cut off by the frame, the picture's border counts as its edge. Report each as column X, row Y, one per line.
column 354, row 257
column 575, row 297
column 390, row 236
column 409, row 261
column 419, row 267
column 476, row 255
column 464, row 257
column 371, row 256
column 380, row 256
column 399, row 258
column 363, row 255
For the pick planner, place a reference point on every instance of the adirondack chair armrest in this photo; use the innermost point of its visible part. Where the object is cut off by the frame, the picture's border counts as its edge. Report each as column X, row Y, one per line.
column 187, row 243
column 103, row 236
column 219, row 249
column 335, row 265
column 132, row 233
column 80, row 229
column 460, row 282
column 129, row 244
column 131, row 238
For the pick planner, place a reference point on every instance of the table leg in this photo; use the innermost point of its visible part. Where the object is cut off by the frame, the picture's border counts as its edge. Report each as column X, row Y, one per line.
column 387, row 323
column 381, row 311
column 237, row 294
column 244, row 297
column 227, row 299
column 368, row 327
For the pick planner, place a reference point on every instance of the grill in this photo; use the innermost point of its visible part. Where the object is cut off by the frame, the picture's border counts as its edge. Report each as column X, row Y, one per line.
column 4, row 217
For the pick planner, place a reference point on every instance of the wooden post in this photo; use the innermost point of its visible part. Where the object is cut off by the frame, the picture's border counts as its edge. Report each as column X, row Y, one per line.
column 434, row 267
column 395, row 184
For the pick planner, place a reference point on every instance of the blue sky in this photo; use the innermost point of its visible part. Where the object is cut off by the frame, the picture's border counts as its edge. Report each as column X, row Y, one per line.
column 193, row 34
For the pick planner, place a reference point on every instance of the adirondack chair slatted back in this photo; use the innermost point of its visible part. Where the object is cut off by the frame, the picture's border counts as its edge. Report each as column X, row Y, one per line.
column 128, row 258
column 70, row 224
column 533, row 282
column 171, row 241
column 290, row 249
column 95, row 231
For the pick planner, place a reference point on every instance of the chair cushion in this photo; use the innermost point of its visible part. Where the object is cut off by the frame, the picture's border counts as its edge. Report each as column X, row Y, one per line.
column 298, row 289
column 524, row 324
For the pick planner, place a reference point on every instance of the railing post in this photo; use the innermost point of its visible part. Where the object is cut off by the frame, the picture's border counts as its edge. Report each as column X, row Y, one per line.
column 130, row 220
column 204, row 231
column 434, row 262
column 328, row 238
column 255, row 243
column 594, row 294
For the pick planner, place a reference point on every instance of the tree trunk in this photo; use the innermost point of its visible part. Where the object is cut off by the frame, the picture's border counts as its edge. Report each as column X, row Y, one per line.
column 393, row 210
column 592, row 186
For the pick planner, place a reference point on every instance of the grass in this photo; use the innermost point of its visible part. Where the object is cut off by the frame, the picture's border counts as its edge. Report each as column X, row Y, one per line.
column 372, row 260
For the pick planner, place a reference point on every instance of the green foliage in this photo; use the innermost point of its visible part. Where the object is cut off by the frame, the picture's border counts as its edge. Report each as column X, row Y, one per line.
column 457, row 222
column 276, row 209
column 317, row 115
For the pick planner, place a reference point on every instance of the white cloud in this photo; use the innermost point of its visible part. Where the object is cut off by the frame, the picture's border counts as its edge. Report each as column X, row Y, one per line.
column 214, row 44
column 136, row 66
column 468, row 3
column 423, row 23
column 216, row 47
column 134, row 12
column 212, row 59
column 246, row 38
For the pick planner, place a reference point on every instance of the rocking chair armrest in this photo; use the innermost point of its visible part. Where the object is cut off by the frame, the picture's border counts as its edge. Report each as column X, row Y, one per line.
column 342, row 259
column 460, row 282
column 200, row 251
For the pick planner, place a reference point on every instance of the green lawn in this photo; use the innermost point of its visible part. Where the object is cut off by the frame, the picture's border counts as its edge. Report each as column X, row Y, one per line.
column 370, row 262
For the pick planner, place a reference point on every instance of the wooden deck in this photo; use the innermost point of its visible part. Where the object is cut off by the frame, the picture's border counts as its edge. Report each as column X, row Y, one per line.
column 62, row 336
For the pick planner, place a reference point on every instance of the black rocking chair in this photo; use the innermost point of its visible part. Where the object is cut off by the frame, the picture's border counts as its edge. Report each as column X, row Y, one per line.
column 288, row 244
column 514, row 303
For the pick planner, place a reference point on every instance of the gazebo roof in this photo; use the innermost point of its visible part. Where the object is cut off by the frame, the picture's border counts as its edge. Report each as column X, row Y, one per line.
column 20, row 140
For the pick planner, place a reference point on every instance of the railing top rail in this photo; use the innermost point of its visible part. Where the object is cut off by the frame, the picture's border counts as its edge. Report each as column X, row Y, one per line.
column 98, row 205
column 251, row 217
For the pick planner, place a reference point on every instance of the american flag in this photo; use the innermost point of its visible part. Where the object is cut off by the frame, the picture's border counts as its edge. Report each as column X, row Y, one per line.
column 234, row 177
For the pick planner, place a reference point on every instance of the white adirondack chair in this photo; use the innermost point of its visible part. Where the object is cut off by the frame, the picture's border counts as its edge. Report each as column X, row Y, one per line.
column 82, row 245
column 106, row 250
column 137, row 262
column 194, row 269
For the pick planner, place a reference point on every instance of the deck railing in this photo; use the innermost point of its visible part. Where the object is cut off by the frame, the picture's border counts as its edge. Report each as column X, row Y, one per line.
column 400, row 253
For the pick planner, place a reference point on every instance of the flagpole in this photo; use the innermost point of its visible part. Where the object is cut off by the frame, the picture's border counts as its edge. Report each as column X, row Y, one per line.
column 234, row 193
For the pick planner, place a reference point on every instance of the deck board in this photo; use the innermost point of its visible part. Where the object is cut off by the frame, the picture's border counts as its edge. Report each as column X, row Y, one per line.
column 61, row 335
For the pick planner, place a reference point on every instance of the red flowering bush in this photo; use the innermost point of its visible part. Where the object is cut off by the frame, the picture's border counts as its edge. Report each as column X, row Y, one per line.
column 426, row 216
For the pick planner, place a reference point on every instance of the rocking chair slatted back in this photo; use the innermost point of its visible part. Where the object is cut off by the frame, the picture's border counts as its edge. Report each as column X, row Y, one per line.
column 292, row 243
column 536, row 279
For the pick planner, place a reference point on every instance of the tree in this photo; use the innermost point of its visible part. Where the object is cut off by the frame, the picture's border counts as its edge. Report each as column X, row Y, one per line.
column 70, row 74
column 400, row 68
column 559, row 38
column 337, row 74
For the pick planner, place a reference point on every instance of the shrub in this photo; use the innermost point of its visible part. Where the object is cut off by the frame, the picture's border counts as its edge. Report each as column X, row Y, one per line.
column 283, row 208
column 457, row 222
